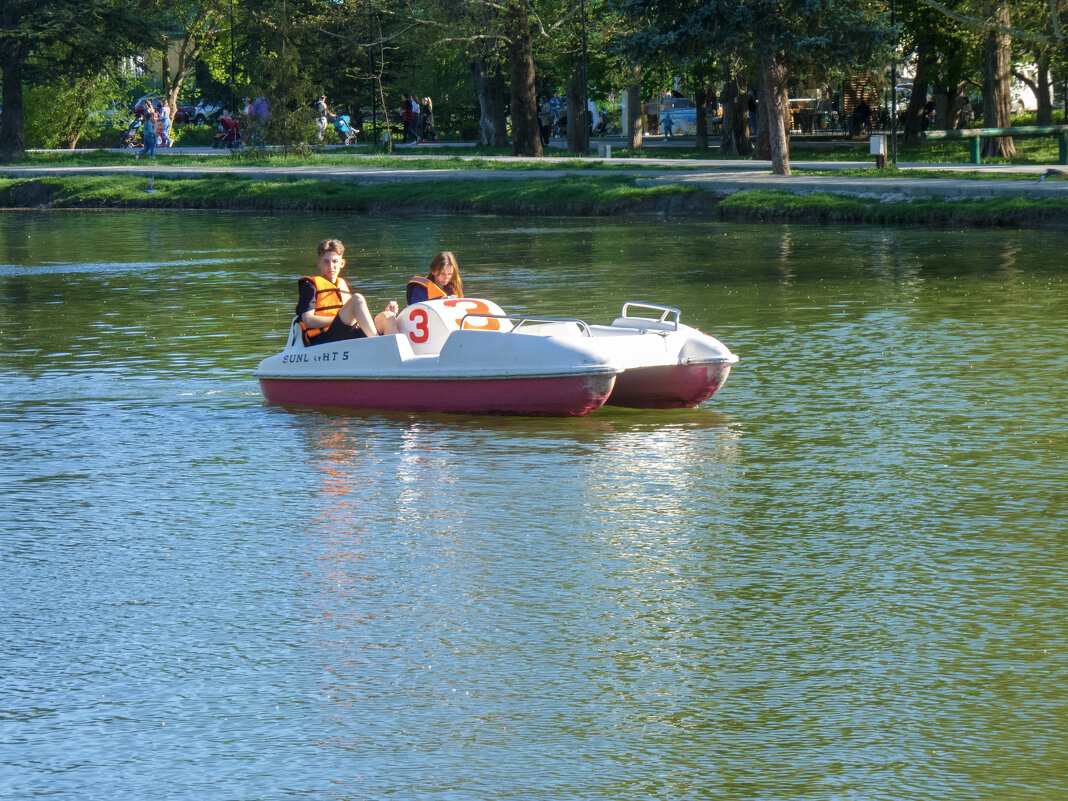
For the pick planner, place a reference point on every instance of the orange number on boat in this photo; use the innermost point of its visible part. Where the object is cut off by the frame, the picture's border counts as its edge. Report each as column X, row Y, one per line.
column 422, row 332
column 471, row 306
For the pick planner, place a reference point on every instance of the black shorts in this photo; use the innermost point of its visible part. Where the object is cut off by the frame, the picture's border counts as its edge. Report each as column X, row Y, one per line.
column 337, row 332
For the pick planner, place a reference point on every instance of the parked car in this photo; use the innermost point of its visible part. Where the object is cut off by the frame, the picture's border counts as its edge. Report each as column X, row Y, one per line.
column 206, row 112
column 185, row 113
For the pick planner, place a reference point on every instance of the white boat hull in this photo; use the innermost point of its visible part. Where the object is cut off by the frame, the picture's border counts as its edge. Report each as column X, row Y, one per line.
column 464, row 355
column 474, row 371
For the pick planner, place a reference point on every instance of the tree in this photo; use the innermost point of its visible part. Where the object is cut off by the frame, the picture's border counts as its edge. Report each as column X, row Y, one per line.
column 526, row 135
column 782, row 36
column 997, row 92
column 1042, row 51
column 38, row 43
column 487, row 69
column 78, row 98
column 284, row 48
column 634, row 125
column 194, row 25
column 734, row 123
column 1040, row 84
column 947, row 59
column 992, row 19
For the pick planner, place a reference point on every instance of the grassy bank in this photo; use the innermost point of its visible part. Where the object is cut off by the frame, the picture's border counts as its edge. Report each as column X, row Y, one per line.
column 891, row 171
column 600, row 194
column 768, row 205
column 563, row 196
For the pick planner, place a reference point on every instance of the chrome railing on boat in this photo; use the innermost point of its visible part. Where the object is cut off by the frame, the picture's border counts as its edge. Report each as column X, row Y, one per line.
column 523, row 320
column 665, row 311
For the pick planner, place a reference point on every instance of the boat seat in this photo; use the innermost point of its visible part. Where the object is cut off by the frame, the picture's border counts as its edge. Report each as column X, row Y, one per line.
column 427, row 325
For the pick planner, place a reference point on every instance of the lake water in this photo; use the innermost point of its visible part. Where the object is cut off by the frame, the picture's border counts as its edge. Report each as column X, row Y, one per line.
column 842, row 577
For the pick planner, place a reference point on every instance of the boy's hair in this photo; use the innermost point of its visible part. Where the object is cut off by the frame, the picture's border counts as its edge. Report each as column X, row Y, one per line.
column 332, row 245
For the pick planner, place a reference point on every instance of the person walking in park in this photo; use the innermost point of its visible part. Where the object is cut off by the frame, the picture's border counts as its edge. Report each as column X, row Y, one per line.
column 148, row 130
column 408, row 136
column 261, row 118
column 163, row 126
column 426, row 121
column 322, row 113
column 545, row 120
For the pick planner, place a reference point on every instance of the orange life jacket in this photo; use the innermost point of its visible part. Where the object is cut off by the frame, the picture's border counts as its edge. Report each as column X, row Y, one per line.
column 329, row 298
column 433, row 291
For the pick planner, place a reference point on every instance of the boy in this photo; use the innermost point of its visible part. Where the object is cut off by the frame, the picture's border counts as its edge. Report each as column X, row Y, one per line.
column 329, row 312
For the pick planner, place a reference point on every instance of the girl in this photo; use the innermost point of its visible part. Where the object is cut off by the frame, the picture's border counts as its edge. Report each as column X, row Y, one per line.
column 444, row 280
column 163, row 126
column 426, row 114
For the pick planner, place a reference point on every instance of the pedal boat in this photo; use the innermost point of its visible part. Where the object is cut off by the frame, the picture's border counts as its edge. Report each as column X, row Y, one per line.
column 666, row 365
column 457, row 355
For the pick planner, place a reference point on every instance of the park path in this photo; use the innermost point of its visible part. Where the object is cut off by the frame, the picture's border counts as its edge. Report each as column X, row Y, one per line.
column 720, row 177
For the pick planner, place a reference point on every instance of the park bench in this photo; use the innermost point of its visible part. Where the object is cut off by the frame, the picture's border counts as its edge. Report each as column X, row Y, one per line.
column 975, row 134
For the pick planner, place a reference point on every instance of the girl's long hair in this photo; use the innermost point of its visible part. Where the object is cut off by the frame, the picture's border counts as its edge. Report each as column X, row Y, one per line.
column 455, row 285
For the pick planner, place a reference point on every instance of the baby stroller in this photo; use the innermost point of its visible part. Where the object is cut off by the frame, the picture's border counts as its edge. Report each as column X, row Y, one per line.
column 229, row 134
column 344, row 129
column 129, row 136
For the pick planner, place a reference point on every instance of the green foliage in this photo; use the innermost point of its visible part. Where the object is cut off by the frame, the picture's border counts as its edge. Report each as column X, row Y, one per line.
column 60, row 113
column 814, row 35
column 765, row 200
column 74, row 38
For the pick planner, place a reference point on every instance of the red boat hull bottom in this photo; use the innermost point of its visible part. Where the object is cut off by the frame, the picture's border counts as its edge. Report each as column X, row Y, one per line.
column 668, row 386
column 561, row 396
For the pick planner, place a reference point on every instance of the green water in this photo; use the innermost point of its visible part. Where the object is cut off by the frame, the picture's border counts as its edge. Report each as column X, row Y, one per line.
column 843, row 577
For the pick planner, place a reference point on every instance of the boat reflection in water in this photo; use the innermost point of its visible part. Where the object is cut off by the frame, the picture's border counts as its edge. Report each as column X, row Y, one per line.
column 431, row 615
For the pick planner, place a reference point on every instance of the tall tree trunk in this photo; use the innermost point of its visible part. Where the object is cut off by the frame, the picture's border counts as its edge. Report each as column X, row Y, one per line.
column 12, row 134
column 1042, row 88
column 941, row 101
column 165, row 73
column 578, row 126
column 949, row 100
column 492, row 97
column 734, row 127
column 700, row 98
column 959, row 97
column 775, row 98
column 526, row 135
column 997, row 97
column 199, row 34
column 1041, row 84
column 912, row 118
column 635, row 121
column 762, row 150
column 188, row 53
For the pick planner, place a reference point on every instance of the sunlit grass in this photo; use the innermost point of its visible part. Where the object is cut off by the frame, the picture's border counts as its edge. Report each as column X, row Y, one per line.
column 891, row 171
column 547, row 195
column 760, row 204
column 580, row 194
